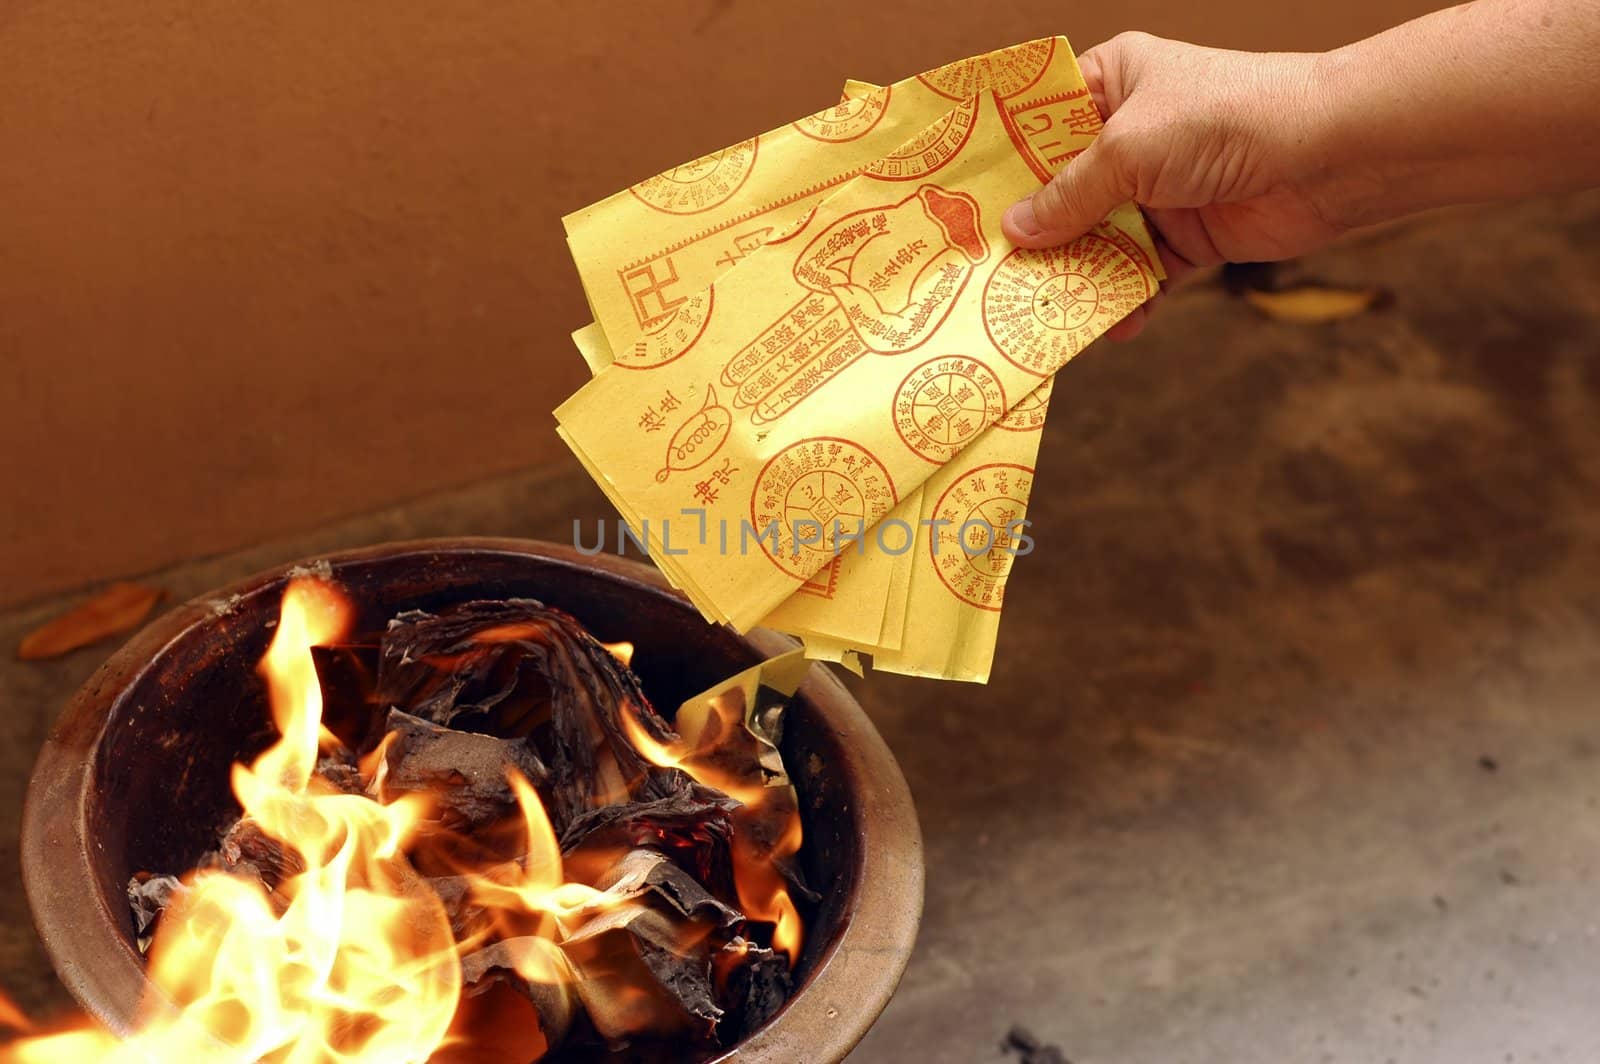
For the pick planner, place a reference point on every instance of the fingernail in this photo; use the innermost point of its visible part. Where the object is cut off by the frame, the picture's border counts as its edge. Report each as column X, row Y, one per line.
column 1020, row 216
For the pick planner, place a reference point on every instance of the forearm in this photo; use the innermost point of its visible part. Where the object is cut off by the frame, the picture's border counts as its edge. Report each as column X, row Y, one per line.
column 1491, row 100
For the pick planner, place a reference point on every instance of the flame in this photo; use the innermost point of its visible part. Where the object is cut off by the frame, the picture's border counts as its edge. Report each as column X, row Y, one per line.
column 312, row 613
column 351, row 957
column 537, row 885
column 68, row 1046
column 12, row 1017
column 350, row 960
column 763, row 894
column 87, row 1043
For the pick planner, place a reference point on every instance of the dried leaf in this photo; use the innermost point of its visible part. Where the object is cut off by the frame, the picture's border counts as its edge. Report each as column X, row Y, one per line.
column 118, row 608
column 1313, row 304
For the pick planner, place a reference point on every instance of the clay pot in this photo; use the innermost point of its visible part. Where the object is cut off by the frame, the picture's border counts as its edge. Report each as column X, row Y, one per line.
column 135, row 775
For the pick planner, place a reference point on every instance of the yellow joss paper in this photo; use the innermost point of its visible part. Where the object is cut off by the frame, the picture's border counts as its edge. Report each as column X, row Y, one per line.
column 591, row 344
column 778, row 409
column 847, row 603
column 859, row 600
column 643, row 252
column 972, row 528
column 757, row 698
column 850, row 599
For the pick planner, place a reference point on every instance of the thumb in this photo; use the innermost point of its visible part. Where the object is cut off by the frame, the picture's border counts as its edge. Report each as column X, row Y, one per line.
column 1087, row 189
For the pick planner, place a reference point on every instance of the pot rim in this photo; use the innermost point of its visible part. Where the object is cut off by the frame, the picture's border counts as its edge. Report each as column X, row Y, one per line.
column 841, row 999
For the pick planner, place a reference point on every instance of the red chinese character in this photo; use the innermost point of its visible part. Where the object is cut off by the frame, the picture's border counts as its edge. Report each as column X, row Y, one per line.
column 1084, row 119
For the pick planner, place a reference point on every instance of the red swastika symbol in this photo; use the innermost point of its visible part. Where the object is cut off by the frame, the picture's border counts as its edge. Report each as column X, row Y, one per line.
column 644, row 285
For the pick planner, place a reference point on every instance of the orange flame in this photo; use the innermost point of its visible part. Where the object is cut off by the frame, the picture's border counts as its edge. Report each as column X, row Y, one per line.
column 763, row 895
column 68, row 1047
column 12, row 1017
column 538, row 884
column 351, row 960
column 312, row 613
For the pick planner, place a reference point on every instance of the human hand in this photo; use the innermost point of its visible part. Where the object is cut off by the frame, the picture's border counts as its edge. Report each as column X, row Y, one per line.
column 1223, row 150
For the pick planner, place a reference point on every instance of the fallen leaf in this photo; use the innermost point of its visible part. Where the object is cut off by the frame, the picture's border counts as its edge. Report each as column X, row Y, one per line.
column 118, row 608
column 1313, row 304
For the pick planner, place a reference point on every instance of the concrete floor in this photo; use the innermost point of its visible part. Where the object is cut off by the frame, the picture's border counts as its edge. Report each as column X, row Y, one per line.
column 1292, row 751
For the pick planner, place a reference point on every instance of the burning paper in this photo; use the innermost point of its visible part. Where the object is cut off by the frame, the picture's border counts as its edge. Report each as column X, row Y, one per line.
column 898, row 297
column 572, row 874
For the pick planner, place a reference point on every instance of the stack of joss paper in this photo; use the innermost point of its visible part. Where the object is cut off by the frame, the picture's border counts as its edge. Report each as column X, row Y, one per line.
column 821, row 371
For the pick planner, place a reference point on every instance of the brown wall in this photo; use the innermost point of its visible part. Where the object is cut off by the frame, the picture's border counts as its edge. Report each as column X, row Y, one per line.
column 266, row 264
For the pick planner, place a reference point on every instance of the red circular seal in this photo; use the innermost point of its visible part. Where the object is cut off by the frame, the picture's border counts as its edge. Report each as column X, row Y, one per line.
column 928, row 150
column 811, row 491
column 670, row 338
column 975, row 545
column 850, row 118
column 700, row 185
column 1028, row 413
column 945, row 402
column 1043, row 306
column 1007, row 71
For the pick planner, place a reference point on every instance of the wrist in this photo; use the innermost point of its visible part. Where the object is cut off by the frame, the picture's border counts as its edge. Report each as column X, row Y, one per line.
column 1347, row 168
